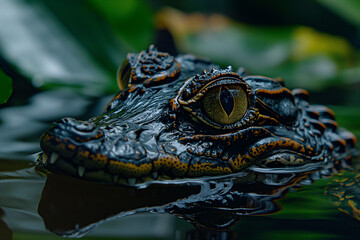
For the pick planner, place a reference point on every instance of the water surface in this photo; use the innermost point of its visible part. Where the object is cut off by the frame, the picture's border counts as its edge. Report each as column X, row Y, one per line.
column 36, row 206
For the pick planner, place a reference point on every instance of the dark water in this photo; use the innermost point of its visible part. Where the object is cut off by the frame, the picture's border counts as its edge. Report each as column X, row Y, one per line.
column 33, row 206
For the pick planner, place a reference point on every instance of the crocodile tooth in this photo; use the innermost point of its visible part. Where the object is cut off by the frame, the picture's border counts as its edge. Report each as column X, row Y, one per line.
column 44, row 158
column 115, row 178
column 54, row 157
column 154, row 175
column 131, row 181
column 81, row 171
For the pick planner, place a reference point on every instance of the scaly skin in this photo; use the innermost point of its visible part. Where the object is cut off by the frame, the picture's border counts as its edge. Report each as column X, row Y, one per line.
column 183, row 117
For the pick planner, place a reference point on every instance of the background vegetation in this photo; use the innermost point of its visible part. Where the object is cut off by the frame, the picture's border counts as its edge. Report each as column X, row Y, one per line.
column 312, row 44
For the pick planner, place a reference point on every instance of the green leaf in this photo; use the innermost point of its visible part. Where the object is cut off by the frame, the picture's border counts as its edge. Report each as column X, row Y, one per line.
column 347, row 9
column 5, row 87
column 133, row 20
column 60, row 43
column 92, row 32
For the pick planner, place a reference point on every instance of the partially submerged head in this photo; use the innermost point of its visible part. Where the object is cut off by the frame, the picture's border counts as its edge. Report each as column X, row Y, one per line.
column 184, row 117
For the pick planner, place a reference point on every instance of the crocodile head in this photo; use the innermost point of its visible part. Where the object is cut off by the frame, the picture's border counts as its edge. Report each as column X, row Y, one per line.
column 183, row 117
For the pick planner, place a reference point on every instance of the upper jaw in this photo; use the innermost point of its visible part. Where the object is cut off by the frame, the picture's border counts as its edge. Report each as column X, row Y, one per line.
column 93, row 159
column 78, row 148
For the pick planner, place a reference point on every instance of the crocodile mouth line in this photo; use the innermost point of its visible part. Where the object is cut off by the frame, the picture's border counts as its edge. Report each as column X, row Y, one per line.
column 58, row 164
column 54, row 163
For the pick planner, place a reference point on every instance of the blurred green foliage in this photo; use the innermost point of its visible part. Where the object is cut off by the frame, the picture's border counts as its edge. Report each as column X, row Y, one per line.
column 131, row 20
column 80, row 44
column 69, row 43
column 349, row 117
column 347, row 9
column 301, row 55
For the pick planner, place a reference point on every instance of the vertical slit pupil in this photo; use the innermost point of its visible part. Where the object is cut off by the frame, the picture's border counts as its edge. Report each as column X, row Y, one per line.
column 226, row 100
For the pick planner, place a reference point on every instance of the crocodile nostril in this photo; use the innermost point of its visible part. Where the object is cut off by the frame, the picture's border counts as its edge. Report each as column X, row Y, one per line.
column 77, row 130
column 67, row 120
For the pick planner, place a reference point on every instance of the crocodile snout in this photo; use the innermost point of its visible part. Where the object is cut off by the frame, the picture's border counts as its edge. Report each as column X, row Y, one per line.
column 76, row 130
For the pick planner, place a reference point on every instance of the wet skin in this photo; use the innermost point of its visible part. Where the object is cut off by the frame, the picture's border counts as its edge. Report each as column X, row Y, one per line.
column 183, row 117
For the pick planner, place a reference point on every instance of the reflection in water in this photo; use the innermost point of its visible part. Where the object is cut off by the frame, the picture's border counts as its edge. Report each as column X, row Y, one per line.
column 73, row 207
column 344, row 190
column 207, row 234
column 20, row 128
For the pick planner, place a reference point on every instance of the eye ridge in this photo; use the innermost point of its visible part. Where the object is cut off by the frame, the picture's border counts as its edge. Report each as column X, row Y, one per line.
column 227, row 101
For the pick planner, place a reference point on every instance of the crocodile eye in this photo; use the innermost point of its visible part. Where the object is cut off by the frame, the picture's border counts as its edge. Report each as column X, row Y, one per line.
column 123, row 75
column 225, row 104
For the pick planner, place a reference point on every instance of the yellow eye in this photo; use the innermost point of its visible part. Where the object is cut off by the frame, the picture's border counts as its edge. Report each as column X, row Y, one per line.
column 225, row 104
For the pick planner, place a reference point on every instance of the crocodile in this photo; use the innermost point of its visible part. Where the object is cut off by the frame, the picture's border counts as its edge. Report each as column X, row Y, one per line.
column 183, row 117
